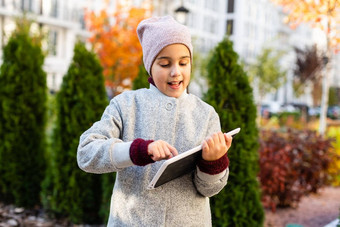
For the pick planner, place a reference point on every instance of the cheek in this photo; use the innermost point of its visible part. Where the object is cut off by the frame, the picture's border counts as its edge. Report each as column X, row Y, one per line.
column 187, row 73
column 156, row 70
column 158, row 74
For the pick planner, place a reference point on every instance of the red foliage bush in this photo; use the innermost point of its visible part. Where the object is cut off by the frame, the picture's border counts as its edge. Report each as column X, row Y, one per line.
column 292, row 164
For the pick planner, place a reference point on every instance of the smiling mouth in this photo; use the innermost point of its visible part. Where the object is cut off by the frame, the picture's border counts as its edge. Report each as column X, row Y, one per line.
column 174, row 83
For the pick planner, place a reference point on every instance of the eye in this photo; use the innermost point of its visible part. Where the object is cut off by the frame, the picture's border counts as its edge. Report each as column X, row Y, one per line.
column 164, row 65
column 183, row 63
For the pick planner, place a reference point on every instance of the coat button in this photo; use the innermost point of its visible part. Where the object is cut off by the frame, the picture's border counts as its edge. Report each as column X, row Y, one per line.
column 169, row 106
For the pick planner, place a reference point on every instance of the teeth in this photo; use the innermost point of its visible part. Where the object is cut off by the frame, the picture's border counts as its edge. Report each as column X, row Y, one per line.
column 174, row 83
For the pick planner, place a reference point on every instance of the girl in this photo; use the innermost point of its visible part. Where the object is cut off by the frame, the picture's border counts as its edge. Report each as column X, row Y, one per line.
column 141, row 128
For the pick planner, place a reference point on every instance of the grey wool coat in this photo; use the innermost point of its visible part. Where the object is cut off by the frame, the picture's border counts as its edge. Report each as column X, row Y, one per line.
column 184, row 123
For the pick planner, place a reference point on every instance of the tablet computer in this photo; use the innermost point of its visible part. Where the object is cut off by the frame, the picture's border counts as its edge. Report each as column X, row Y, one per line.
column 179, row 165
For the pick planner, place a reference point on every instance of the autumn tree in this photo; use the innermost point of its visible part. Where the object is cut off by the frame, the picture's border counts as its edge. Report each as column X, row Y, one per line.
column 309, row 64
column 325, row 15
column 116, row 43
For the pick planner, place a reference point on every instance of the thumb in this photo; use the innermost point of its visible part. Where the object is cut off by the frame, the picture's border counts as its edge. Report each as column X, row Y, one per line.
column 228, row 140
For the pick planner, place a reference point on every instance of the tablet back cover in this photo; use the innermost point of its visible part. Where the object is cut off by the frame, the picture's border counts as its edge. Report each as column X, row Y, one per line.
column 178, row 168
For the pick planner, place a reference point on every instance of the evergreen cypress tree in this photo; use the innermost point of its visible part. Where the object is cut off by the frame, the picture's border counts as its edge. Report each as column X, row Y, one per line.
column 80, row 102
column 229, row 92
column 141, row 80
column 22, row 118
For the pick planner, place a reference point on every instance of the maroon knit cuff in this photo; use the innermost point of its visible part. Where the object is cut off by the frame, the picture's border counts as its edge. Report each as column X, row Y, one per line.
column 214, row 167
column 139, row 152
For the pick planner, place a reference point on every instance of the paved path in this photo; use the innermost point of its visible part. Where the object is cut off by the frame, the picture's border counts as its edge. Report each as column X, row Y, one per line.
column 316, row 210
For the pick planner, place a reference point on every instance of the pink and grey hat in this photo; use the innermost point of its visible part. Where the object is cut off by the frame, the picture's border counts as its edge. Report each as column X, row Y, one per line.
column 156, row 33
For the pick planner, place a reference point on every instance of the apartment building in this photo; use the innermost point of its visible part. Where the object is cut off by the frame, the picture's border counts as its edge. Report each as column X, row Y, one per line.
column 254, row 25
column 250, row 24
column 62, row 20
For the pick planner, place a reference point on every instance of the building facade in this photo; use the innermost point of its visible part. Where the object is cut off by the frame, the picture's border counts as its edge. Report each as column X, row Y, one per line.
column 253, row 25
column 61, row 20
column 250, row 24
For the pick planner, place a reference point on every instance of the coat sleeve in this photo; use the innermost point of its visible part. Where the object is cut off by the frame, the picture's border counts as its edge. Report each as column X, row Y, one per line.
column 100, row 148
column 206, row 184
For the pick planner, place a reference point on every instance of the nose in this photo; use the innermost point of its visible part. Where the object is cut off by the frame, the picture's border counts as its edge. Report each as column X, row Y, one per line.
column 175, row 71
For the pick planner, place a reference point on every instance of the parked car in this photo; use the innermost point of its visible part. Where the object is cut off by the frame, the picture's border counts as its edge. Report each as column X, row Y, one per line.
column 289, row 108
column 314, row 111
column 270, row 109
column 333, row 112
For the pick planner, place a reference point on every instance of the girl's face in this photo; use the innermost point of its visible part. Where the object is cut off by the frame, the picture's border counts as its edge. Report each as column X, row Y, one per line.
column 171, row 70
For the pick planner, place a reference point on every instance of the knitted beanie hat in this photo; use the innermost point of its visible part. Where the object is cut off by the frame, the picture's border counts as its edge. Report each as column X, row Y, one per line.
column 156, row 33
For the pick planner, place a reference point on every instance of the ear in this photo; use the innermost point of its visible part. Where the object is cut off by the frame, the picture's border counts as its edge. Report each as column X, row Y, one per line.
column 151, row 81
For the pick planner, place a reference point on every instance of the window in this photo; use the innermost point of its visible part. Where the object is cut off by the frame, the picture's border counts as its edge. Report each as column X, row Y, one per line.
column 82, row 20
column 54, row 8
column 53, row 87
column 52, row 42
column 230, row 27
column 206, row 24
column 231, row 4
column 26, row 5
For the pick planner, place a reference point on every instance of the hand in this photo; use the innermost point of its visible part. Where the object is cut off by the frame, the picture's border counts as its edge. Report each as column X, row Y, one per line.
column 215, row 146
column 159, row 150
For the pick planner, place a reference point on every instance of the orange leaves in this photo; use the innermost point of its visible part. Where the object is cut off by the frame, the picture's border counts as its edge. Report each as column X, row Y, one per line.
column 323, row 14
column 115, row 41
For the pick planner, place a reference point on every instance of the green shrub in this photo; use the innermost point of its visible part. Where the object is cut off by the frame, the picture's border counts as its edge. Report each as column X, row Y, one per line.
column 80, row 102
column 292, row 164
column 22, row 118
column 288, row 119
column 229, row 92
column 141, row 80
column 47, row 184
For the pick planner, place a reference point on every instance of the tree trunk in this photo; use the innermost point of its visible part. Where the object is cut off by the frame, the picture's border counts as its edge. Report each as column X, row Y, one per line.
column 325, row 86
column 324, row 101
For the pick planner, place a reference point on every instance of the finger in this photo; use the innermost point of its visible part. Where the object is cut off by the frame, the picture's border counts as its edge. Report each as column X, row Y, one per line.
column 210, row 141
column 150, row 149
column 172, row 150
column 215, row 138
column 221, row 138
column 153, row 157
column 167, row 153
column 161, row 151
column 228, row 139
column 204, row 145
column 153, row 150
